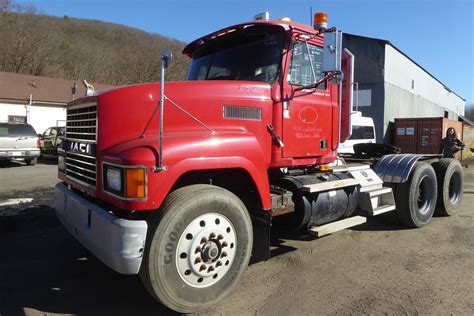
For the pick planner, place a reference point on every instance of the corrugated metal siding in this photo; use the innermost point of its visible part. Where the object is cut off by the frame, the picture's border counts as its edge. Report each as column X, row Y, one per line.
column 406, row 75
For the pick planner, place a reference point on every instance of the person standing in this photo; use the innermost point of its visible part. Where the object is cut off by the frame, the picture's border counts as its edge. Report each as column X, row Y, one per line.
column 450, row 145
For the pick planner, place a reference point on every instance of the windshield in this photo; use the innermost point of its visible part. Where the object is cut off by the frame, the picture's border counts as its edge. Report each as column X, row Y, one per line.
column 13, row 130
column 252, row 53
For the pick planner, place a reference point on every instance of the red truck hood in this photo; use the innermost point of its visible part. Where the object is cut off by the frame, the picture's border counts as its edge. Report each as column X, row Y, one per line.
column 131, row 112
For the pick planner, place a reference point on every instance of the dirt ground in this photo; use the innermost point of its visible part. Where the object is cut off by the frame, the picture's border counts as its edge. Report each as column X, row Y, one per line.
column 377, row 268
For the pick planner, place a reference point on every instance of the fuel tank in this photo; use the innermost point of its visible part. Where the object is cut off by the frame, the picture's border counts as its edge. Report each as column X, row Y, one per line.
column 316, row 208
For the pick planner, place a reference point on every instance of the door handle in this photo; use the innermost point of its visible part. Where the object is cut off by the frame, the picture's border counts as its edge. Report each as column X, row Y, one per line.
column 275, row 135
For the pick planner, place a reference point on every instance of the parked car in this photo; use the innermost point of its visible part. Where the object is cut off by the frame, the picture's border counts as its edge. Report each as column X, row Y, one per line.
column 51, row 139
column 18, row 141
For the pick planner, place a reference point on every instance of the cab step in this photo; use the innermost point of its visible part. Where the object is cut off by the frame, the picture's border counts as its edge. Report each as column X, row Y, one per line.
column 376, row 200
column 381, row 209
column 330, row 228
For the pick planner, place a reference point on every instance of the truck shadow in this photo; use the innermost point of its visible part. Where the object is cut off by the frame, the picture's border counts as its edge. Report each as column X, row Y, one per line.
column 21, row 163
column 12, row 164
column 383, row 222
column 43, row 160
column 44, row 270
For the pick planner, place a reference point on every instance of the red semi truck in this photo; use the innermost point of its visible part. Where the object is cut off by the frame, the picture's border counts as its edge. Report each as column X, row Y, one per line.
column 181, row 182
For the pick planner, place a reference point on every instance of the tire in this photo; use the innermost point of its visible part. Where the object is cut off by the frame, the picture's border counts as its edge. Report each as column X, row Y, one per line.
column 450, row 186
column 31, row 162
column 187, row 266
column 416, row 198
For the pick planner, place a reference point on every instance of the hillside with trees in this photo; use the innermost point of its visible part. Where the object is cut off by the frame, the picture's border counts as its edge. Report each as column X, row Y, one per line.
column 80, row 49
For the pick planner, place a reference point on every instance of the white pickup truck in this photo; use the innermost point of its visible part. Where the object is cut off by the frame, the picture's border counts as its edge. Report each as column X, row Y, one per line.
column 362, row 131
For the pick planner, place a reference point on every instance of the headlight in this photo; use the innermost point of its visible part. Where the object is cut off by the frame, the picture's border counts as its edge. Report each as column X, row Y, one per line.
column 126, row 182
column 61, row 163
column 113, row 179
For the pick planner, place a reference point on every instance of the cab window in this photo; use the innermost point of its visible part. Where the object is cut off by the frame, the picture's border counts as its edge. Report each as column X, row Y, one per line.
column 300, row 73
column 248, row 54
column 362, row 132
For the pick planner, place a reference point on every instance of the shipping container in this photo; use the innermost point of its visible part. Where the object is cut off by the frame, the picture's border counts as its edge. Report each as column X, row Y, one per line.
column 468, row 139
column 424, row 135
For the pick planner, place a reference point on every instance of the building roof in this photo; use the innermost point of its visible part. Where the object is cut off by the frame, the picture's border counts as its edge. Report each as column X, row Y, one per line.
column 465, row 120
column 401, row 52
column 19, row 87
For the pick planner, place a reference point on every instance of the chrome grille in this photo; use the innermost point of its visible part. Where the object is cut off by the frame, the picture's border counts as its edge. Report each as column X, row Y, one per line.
column 81, row 133
column 81, row 124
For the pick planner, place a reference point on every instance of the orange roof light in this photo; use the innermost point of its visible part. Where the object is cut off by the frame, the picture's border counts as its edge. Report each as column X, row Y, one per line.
column 320, row 21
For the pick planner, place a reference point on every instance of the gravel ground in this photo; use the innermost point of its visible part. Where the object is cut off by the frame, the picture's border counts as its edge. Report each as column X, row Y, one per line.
column 376, row 268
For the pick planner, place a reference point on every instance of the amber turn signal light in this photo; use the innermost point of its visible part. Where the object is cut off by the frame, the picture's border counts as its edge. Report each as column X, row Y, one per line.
column 324, row 168
column 135, row 187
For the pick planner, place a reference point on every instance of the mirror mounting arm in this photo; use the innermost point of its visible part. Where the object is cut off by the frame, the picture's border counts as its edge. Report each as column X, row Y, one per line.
column 328, row 76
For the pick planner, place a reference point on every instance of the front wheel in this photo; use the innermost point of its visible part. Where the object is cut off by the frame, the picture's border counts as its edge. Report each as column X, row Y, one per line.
column 198, row 246
column 416, row 198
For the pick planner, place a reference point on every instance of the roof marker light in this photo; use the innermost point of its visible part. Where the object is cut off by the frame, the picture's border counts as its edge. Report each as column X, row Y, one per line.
column 262, row 16
column 320, row 21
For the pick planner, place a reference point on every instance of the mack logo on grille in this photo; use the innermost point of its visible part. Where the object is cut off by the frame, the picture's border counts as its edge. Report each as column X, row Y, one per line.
column 83, row 148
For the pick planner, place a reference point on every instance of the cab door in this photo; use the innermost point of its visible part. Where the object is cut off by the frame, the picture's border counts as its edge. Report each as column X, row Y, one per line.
column 307, row 113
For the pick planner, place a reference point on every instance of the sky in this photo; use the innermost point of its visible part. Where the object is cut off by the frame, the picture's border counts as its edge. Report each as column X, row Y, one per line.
column 437, row 34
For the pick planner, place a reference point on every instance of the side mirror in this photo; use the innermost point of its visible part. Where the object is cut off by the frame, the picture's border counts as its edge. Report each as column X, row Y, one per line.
column 332, row 52
column 39, row 135
column 166, row 57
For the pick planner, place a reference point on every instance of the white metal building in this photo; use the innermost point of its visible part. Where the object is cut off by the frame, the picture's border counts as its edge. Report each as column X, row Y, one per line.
column 390, row 85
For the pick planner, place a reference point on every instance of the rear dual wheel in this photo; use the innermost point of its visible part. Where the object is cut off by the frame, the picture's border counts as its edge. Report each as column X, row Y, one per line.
column 416, row 198
column 450, row 186
column 198, row 246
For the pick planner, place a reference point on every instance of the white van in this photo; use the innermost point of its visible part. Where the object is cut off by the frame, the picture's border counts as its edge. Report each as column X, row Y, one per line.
column 363, row 131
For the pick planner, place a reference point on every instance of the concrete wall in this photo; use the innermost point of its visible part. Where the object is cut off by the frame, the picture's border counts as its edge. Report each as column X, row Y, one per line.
column 41, row 116
column 403, row 73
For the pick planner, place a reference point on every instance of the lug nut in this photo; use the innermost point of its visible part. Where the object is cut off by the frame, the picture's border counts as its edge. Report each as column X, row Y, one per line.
column 210, row 269
column 198, row 250
column 224, row 254
column 218, row 264
column 198, row 260
column 203, row 267
column 212, row 236
column 203, row 240
column 220, row 237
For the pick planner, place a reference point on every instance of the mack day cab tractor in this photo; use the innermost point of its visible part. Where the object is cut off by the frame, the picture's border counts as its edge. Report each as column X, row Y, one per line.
column 180, row 182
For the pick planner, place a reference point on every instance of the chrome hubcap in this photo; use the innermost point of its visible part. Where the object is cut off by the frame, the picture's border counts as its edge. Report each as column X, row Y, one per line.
column 206, row 250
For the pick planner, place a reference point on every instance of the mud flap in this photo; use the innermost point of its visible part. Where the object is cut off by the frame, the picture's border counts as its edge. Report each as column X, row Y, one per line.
column 261, row 222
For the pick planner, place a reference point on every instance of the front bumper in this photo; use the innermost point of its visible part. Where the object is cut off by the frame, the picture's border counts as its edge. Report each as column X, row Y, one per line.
column 19, row 153
column 117, row 242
